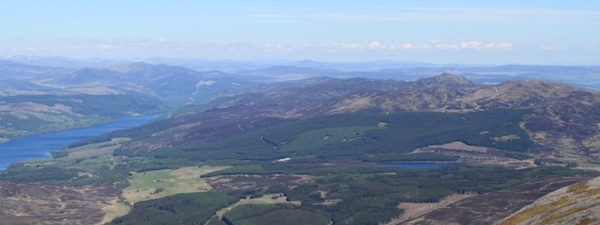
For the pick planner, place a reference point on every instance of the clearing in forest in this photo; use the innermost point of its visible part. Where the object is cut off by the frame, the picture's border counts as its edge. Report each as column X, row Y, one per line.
column 161, row 183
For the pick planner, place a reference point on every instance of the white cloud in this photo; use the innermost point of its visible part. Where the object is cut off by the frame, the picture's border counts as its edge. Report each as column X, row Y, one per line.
column 475, row 45
column 501, row 46
column 75, row 48
column 504, row 45
column 268, row 47
column 406, row 46
column 443, row 46
column 553, row 48
column 123, row 48
column 352, row 46
column 375, row 45
column 104, row 46
column 471, row 45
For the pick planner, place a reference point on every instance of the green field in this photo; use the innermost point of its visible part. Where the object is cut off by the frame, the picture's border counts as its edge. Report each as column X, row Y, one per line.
column 161, row 183
column 359, row 137
column 188, row 208
column 324, row 137
column 116, row 209
column 113, row 141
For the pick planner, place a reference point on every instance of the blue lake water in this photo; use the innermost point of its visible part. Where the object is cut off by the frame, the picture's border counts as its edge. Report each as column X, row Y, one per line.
column 38, row 146
column 420, row 166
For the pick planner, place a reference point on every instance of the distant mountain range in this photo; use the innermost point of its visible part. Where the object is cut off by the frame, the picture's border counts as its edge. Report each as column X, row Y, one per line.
column 358, row 66
column 584, row 76
column 13, row 70
column 21, row 85
column 135, row 73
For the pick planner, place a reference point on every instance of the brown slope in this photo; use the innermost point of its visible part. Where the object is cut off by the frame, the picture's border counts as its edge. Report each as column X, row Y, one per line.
column 564, row 119
column 576, row 204
column 491, row 207
column 211, row 125
column 38, row 203
column 256, row 108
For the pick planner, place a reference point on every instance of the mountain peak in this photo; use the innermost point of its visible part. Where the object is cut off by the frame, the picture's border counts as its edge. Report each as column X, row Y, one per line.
column 445, row 79
column 137, row 66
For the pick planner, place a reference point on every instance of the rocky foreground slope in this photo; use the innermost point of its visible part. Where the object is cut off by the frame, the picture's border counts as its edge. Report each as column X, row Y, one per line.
column 575, row 204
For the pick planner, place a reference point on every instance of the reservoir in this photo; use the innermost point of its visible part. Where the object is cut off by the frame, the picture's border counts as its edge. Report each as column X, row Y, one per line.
column 420, row 166
column 39, row 146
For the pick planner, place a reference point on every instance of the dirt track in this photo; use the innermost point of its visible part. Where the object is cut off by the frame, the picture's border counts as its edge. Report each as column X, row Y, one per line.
column 414, row 210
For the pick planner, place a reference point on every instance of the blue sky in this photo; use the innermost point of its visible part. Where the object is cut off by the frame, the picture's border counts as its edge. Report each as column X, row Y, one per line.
column 468, row 32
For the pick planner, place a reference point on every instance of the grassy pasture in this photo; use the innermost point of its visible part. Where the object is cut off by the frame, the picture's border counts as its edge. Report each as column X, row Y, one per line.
column 97, row 145
column 266, row 199
column 102, row 148
column 116, row 209
column 162, row 183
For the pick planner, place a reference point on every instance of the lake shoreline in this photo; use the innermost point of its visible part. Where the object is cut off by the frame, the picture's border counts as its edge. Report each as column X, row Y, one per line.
column 40, row 146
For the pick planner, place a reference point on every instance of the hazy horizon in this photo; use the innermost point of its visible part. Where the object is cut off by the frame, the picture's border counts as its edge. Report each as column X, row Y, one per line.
column 265, row 61
column 437, row 32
